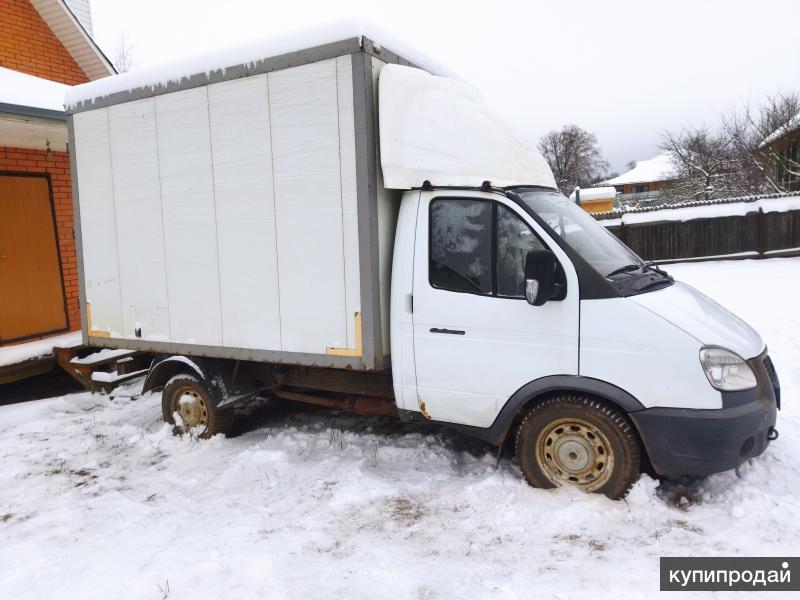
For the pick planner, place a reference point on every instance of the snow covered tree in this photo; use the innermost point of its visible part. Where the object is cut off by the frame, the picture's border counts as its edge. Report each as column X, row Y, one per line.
column 755, row 133
column 574, row 156
column 705, row 163
column 742, row 156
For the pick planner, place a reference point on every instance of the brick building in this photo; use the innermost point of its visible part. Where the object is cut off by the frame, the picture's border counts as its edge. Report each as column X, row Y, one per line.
column 45, row 46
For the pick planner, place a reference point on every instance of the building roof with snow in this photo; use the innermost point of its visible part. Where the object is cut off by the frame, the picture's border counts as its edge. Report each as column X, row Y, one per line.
column 596, row 193
column 659, row 168
column 704, row 209
column 58, row 46
column 791, row 126
column 32, row 111
column 27, row 95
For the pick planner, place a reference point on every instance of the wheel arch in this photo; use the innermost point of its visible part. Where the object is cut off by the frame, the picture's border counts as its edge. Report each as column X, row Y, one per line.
column 164, row 368
column 535, row 391
column 223, row 377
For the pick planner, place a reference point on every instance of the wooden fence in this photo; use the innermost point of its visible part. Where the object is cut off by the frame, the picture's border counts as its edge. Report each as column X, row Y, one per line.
column 754, row 234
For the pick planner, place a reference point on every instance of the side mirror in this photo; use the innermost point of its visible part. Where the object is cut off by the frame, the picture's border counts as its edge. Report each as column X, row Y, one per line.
column 540, row 276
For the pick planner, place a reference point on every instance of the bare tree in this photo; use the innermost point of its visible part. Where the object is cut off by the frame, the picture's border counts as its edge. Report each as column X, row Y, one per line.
column 574, row 157
column 705, row 165
column 738, row 158
column 750, row 129
column 123, row 58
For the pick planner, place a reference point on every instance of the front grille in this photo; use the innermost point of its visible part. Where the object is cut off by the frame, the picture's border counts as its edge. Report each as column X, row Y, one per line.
column 773, row 378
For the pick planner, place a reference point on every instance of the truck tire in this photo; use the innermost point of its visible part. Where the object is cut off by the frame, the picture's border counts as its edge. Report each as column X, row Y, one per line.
column 195, row 405
column 577, row 440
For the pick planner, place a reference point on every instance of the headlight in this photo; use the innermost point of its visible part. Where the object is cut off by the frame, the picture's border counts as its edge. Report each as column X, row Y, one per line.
column 726, row 371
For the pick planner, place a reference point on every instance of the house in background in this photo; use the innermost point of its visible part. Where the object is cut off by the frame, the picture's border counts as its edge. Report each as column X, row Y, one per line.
column 45, row 46
column 784, row 146
column 596, row 199
column 645, row 181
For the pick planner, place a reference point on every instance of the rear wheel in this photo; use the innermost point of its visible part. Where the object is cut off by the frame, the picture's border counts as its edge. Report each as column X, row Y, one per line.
column 191, row 407
column 579, row 441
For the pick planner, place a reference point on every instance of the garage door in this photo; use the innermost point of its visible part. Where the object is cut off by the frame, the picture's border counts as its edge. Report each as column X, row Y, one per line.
column 31, row 289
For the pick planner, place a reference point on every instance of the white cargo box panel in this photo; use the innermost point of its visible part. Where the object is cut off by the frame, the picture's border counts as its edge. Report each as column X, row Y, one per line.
column 239, row 213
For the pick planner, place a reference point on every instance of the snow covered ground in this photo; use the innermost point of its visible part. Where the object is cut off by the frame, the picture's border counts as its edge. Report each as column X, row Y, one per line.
column 11, row 355
column 99, row 500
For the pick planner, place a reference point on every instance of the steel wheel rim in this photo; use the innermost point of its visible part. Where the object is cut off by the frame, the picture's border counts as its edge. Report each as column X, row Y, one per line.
column 572, row 451
column 191, row 407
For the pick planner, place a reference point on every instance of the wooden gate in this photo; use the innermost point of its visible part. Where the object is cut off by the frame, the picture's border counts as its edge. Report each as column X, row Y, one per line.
column 32, row 301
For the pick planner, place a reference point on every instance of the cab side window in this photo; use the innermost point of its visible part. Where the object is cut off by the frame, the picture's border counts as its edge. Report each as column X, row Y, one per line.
column 461, row 245
column 478, row 247
column 514, row 240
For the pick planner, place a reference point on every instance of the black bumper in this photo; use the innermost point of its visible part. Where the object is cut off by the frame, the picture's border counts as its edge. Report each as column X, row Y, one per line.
column 702, row 442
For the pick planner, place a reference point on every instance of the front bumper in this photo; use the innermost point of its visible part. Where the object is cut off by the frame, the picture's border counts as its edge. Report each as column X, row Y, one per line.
column 702, row 442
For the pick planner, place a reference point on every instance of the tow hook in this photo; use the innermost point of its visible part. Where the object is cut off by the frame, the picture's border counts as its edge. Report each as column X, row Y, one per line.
column 772, row 434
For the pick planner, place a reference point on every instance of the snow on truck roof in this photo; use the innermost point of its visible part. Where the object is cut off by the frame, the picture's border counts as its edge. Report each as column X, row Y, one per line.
column 251, row 53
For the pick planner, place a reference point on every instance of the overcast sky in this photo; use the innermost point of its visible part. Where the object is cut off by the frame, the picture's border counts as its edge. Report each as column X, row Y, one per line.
column 626, row 70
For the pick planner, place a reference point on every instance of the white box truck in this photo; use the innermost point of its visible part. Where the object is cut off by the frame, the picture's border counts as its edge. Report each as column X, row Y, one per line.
column 334, row 226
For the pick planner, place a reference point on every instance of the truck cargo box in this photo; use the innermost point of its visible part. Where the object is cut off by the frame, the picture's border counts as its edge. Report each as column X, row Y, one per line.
column 238, row 213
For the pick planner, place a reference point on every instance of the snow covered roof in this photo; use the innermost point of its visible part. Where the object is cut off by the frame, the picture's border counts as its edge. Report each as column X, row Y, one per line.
column 216, row 63
column 659, row 168
column 792, row 125
column 72, row 35
column 704, row 209
column 440, row 129
column 596, row 193
column 20, row 92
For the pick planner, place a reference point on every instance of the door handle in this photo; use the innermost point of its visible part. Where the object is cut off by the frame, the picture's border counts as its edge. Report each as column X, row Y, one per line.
column 450, row 331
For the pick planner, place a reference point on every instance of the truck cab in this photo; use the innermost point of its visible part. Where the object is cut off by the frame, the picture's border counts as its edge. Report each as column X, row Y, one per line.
column 515, row 313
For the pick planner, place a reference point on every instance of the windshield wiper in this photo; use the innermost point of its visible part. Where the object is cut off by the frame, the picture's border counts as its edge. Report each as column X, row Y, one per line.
column 625, row 269
column 651, row 266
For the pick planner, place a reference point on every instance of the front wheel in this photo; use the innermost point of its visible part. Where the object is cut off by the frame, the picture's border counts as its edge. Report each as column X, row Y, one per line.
column 191, row 407
column 579, row 441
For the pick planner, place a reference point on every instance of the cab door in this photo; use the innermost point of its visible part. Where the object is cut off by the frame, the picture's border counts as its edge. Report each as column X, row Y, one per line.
column 476, row 338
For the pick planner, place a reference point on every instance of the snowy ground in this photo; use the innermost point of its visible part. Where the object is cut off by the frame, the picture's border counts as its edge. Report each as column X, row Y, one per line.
column 99, row 500
column 10, row 355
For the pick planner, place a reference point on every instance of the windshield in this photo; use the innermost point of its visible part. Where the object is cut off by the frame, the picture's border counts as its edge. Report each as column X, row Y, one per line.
column 599, row 247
